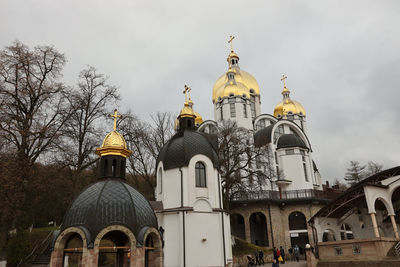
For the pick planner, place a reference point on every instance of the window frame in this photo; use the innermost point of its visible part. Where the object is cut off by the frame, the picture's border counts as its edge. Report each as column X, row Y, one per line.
column 200, row 171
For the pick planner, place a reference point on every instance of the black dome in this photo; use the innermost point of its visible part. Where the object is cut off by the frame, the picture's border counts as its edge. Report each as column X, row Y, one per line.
column 290, row 140
column 263, row 136
column 110, row 202
column 178, row 151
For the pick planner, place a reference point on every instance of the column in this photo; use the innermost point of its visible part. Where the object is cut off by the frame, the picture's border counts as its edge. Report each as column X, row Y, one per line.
column 374, row 224
column 396, row 233
column 247, row 228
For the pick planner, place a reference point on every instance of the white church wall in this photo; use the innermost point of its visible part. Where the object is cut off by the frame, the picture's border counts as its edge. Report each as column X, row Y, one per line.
column 171, row 183
column 205, row 233
column 293, row 170
column 173, row 249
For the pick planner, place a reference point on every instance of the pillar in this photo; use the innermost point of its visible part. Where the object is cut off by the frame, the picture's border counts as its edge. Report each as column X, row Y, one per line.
column 247, row 229
column 374, row 224
column 396, row 233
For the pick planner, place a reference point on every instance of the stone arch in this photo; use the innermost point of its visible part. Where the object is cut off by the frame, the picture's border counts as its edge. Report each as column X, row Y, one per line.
column 120, row 230
column 57, row 258
column 153, row 248
column 238, row 225
column 294, row 128
column 258, row 229
column 298, row 229
column 386, row 205
column 395, row 199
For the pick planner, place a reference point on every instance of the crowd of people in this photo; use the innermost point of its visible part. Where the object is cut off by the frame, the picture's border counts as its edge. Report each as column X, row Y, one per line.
column 279, row 256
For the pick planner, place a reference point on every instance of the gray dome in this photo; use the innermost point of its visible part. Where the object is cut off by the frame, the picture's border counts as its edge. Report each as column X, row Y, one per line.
column 178, row 151
column 110, row 202
column 290, row 140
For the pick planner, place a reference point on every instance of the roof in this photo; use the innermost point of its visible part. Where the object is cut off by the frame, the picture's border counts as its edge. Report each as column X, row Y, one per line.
column 178, row 151
column 354, row 196
column 290, row 140
column 110, row 202
column 263, row 136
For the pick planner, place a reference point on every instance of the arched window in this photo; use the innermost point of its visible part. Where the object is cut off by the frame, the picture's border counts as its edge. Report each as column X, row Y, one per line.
column 201, row 179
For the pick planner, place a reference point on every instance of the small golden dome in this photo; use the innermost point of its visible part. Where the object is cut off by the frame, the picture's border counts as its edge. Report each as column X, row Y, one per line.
column 114, row 143
column 199, row 118
column 231, row 55
column 288, row 106
column 187, row 111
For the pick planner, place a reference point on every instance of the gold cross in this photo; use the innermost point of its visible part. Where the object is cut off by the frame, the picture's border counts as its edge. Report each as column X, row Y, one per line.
column 115, row 116
column 283, row 80
column 230, row 41
column 187, row 92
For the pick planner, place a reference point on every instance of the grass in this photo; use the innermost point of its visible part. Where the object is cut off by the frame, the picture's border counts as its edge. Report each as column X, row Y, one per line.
column 242, row 247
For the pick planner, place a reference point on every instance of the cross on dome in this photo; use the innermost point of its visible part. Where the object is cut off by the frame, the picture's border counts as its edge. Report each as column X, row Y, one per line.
column 283, row 79
column 186, row 91
column 115, row 116
column 230, row 41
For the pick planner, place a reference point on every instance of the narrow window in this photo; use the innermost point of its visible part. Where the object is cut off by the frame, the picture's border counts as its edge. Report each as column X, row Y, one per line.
column 276, row 158
column 222, row 113
column 233, row 110
column 277, row 172
column 160, row 180
column 301, row 123
column 244, row 110
column 114, row 168
column 200, row 173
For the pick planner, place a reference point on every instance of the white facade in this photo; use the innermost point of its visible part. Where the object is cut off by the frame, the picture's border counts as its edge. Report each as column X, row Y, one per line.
column 197, row 231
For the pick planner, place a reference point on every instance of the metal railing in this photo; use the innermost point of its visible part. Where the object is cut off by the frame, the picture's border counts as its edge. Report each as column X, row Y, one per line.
column 285, row 195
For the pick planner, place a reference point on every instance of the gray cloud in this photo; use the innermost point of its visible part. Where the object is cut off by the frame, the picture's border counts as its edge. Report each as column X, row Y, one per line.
column 341, row 58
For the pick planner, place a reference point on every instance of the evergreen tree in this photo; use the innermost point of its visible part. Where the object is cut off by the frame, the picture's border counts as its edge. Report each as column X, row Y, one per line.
column 355, row 173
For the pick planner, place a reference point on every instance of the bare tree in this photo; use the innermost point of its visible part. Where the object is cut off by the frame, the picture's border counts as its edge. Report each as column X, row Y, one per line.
column 145, row 141
column 372, row 168
column 33, row 107
column 89, row 103
column 243, row 167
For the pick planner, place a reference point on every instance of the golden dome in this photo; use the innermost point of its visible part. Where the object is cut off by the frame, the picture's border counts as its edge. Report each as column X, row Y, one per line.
column 114, row 143
column 288, row 106
column 199, row 118
column 187, row 111
column 244, row 80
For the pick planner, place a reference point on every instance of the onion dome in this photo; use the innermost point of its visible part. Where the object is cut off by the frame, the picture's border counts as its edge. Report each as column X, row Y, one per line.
column 290, row 140
column 288, row 106
column 235, row 81
column 114, row 143
column 178, row 151
column 109, row 202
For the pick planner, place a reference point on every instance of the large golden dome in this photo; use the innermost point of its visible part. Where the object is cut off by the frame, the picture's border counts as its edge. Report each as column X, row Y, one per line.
column 288, row 106
column 246, row 84
column 114, row 143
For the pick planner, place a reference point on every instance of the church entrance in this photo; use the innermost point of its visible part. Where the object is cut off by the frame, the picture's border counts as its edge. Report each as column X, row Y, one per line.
column 114, row 250
column 298, row 230
column 258, row 229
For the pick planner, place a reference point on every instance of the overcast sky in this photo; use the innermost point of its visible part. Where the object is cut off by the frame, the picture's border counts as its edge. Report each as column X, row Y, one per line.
column 342, row 59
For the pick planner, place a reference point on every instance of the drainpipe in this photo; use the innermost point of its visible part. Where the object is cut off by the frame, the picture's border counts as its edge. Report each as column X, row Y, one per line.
column 183, row 221
column 222, row 218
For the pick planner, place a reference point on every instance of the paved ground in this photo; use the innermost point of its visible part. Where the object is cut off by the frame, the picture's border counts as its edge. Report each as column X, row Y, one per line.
column 290, row 264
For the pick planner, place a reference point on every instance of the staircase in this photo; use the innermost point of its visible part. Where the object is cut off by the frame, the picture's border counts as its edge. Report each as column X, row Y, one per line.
column 41, row 254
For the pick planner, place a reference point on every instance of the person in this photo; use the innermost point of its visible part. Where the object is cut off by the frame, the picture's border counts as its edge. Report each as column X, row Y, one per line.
column 296, row 252
column 261, row 256
column 291, row 253
column 257, row 258
column 275, row 255
column 282, row 254
column 275, row 263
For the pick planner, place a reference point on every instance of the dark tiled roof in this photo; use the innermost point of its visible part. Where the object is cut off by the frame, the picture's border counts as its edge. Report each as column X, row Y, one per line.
column 263, row 136
column 178, row 151
column 290, row 140
column 111, row 202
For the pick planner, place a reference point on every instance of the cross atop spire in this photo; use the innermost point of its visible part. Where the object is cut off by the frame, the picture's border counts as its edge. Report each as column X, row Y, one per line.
column 187, row 92
column 230, row 41
column 283, row 79
column 115, row 116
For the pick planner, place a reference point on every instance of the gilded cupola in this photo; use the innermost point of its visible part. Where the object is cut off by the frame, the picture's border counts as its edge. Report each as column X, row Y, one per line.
column 187, row 113
column 114, row 143
column 234, row 82
column 288, row 106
